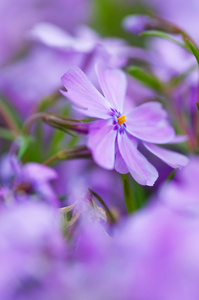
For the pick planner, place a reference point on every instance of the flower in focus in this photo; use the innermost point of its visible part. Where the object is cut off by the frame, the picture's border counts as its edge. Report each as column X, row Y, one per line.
column 114, row 138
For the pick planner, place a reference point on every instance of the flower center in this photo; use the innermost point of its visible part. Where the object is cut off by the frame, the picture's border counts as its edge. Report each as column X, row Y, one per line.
column 121, row 120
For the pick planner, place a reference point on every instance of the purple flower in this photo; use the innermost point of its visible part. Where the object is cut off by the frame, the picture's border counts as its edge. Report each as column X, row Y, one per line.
column 114, row 138
column 159, row 243
column 24, row 90
column 112, row 51
column 181, row 194
column 29, row 181
column 20, row 15
column 180, row 12
column 32, row 253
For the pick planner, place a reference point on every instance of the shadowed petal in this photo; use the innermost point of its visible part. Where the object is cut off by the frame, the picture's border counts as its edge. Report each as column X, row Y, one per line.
column 113, row 83
column 101, row 141
column 139, row 167
column 82, row 93
column 171, row 158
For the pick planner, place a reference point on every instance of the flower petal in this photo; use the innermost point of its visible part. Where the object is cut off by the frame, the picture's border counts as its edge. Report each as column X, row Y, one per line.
column 147, row 114
column 148, row 122
column 101, row 141
column 171, row 158
column 120, row 165
column 139, row 167
column 82, row 93
column 38, row 173
column 160, row 133
column 51, row 35
column 113, row 83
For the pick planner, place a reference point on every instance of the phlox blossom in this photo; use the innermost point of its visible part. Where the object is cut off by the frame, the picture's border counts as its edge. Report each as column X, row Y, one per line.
column 113, row 139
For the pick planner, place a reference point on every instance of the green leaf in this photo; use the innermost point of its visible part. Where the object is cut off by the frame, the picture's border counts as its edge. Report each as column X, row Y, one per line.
column 6, row 134
column 140, row 194
column 128, row 194
column 146, row 78
column 176, row 80
column 24, row 142
column 171, row 175
column 193, row 49
column 163, row 35
column 197, row 105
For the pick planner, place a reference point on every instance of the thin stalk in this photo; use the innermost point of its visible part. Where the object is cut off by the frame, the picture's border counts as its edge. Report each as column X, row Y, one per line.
column 56, row 121
column 72, row 153
column 30, row 121
column 111, row 216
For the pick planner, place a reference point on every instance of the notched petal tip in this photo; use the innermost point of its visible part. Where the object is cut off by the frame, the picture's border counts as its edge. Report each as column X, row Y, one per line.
column 82, row 92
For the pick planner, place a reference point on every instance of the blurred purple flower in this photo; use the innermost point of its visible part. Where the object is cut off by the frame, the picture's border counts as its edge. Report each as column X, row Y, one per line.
column 180, row 12
column 162, row 244
column 22, row 82
column 20, row 15
column 32, row 253
column 57, row 51
column 27, row 182
column 181, row 193
column 113, row 140
column 172, row 60
column 154, row 243
column 112, row 51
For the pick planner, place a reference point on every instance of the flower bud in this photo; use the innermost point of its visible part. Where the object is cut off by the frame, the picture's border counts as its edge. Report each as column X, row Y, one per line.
column 137, row 24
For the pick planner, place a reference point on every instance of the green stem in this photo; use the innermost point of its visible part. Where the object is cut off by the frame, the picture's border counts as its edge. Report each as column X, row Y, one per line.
column 30, row 121
column 128, row 194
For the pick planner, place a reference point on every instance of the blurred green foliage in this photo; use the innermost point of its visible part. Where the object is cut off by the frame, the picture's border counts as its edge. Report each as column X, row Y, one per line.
column 108, row 15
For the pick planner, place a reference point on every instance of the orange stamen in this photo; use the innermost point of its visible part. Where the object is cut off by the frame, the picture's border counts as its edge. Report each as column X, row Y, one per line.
column 121, row 120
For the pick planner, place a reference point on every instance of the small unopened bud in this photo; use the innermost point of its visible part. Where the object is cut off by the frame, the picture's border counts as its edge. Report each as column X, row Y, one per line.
column 137, row 24
column 65, row 124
